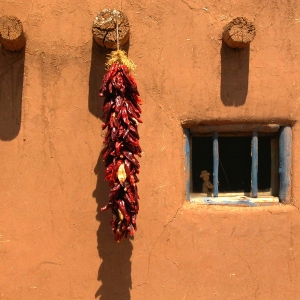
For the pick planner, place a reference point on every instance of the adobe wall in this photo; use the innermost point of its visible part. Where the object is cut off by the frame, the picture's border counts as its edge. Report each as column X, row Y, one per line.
column 54, row 242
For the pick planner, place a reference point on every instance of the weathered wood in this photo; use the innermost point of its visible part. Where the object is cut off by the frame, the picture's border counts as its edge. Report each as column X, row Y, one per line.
column 236, row 128
column 11, row 33
column 234, row 201
column 105, row 28
column 216, row 163
column 254, row 167
column 274, row 166
column 187, row 170
column 285, row 152
column 239, row 33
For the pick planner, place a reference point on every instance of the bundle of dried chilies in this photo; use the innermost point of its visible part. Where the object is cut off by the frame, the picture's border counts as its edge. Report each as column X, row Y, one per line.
column 122, row 111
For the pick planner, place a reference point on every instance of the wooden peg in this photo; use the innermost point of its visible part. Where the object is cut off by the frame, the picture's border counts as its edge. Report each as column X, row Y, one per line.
column 239, row 33
column 11, row 33
column 105, row 28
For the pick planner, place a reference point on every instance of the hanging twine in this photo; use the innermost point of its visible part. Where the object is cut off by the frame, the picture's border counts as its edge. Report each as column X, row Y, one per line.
column 116, row 16
column 119, row 56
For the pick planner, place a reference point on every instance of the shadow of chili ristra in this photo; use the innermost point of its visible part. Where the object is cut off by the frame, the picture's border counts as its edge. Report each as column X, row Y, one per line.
column 97, row 71
column 11, row 91
column 115, row 269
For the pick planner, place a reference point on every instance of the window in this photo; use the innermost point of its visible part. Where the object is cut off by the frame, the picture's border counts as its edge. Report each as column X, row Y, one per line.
column 246, row 164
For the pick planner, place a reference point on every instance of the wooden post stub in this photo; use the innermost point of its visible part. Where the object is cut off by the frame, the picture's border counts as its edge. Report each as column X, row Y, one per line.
column 105, row 28
column 11, row 33
column 239, row 33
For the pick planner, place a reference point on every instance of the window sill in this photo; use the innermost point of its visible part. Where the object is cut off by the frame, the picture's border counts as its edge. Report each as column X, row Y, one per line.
column 235, row 201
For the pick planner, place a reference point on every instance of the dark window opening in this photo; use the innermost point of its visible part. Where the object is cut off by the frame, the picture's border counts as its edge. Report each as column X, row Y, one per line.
column 243, row 164
column 265, row 162
column 202, row 159
column 235, row 163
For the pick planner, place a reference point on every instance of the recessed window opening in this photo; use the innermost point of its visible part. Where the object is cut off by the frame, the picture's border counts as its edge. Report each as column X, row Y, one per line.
column 235, row 163
column 240, row 160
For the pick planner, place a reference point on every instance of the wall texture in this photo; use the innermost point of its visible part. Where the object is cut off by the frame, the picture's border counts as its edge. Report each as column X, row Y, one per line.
column 54, row 241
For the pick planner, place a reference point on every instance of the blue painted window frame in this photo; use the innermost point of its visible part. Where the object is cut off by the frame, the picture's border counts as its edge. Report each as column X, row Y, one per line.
column 285, row 152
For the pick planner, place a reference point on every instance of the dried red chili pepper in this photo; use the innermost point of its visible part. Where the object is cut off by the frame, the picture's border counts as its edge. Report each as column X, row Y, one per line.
column 122, row 114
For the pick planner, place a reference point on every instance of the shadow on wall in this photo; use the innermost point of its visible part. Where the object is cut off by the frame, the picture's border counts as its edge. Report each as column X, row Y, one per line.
column 234, row 75
column 97, row 71
column 115, row 269
column 11, row 90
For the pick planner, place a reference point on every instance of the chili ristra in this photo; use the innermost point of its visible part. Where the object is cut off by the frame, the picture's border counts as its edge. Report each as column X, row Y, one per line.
column 122, row 111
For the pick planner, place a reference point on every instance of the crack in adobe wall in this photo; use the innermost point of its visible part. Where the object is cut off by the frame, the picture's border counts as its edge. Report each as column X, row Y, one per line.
column 260, row 11
column 187, row 4
column 154, row 244
column 248, row 266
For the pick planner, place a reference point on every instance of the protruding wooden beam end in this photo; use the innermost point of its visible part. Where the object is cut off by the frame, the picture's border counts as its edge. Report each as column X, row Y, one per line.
column 239, row 33
column 12, row 37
